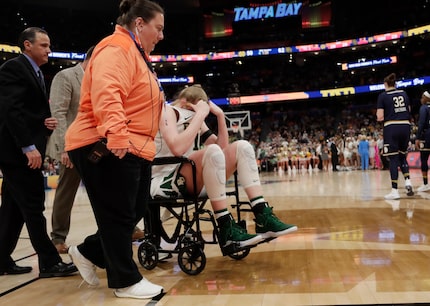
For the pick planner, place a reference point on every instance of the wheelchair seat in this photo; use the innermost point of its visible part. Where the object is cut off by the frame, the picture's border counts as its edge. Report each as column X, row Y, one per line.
column 187, row 236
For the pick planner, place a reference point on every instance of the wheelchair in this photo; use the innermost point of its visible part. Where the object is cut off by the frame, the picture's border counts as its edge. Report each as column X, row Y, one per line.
column 186, row 237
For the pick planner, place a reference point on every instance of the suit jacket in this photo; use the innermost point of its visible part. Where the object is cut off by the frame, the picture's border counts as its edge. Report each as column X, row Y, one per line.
column 24, row 107
column 333, row 149
column 64, row 103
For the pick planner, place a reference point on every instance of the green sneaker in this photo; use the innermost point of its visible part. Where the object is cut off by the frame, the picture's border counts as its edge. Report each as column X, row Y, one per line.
column 268, row 225
column 231, row 232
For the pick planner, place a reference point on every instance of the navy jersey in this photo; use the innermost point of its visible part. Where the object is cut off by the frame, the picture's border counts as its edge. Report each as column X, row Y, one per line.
column 423, row 121
column 395, row 104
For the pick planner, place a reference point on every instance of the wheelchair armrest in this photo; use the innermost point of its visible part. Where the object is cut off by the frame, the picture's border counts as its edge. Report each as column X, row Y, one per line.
column 171, row 160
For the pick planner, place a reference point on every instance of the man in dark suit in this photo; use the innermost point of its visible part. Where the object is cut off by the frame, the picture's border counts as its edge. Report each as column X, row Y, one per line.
column 334, row 154
column 25, row 125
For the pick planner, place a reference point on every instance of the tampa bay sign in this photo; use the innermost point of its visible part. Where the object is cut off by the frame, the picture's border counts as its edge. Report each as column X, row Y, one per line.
column 268, row 11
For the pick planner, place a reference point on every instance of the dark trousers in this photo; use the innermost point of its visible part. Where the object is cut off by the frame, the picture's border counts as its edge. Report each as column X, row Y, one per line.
column 384, row 160
column 334, row 161
column 425, row 152
column 424, row 156
column 118, row 190
column 68, row 184
column 23, row 200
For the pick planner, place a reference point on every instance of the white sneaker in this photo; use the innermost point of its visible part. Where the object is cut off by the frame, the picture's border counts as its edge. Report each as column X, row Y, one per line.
column 86, row 268
column 141, row 290
column 408, row 187
column 424, row 195
column 393, row 195
column 424, row 188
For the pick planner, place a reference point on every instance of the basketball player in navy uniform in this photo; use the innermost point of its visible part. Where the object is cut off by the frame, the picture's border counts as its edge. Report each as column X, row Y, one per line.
column 423, row 139
column 393, row 108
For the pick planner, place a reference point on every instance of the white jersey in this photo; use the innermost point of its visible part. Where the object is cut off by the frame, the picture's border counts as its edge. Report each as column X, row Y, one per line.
column 165, row 177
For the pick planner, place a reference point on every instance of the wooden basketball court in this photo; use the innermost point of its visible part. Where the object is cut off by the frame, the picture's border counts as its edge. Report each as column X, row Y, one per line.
column 352, row 248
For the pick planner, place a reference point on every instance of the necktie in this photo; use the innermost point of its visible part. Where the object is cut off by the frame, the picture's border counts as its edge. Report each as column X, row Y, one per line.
column 41, row 80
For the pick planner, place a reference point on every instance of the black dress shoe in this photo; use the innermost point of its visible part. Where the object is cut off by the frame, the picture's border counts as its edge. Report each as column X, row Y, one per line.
column 16, row 270
column 60, row 269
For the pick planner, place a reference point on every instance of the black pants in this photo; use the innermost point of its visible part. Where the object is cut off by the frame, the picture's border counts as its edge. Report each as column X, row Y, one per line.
column 118, row 190
column 425, row 152
column 384, row 160
column 23, row 200
column 334, row 161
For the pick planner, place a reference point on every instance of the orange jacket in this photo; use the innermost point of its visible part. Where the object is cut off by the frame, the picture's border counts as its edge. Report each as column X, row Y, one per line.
column 120, row 99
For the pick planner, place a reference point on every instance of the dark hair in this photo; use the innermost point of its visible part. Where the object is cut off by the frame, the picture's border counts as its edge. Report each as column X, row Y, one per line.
column 30, row 35
column 131, row 9
column 390, row 79
column 89, row 52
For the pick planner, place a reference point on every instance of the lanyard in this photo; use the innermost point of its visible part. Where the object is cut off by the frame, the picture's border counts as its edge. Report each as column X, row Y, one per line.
column 139, row 47
column 145, row 58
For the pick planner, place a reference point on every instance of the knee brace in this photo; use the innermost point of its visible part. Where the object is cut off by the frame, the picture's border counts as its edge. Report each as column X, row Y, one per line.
column 213, row 164
column 247, row 169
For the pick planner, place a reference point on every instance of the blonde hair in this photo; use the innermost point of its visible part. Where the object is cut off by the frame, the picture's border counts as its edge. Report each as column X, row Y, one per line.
column 192, row 94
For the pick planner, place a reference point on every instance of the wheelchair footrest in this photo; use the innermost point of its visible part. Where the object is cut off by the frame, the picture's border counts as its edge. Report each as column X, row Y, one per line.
column 267, row 240
column 164, row 255
column 234, row 248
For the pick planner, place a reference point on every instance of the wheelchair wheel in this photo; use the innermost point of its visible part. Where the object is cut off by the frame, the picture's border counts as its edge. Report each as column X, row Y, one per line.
column 148, row 255
column 240, row 254
column 192, row 259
